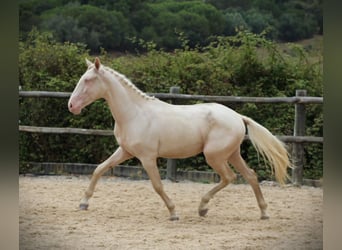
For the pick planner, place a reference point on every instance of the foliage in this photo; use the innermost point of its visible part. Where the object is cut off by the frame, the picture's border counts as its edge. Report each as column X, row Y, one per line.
column 243, row 65
column 294, row 26
column 112, row 24
column 45, row 64
column 91, row 25
column 233, row 22
column 162, row 21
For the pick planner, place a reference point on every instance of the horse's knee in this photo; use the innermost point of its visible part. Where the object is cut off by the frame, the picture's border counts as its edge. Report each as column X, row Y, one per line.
column 228, row 178
column 232, row 177
column 251, row 175
column 252, row 172
column 99, row 171
column 158, row 188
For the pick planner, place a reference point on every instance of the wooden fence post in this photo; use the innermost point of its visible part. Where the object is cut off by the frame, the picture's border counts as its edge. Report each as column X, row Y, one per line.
column 298, row 148
column 171, row 165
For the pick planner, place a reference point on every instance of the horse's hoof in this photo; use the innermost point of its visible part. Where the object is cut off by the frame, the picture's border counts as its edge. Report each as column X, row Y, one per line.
column 203, row 212
column 174, row 217
column 264, row 217
column 84, row 206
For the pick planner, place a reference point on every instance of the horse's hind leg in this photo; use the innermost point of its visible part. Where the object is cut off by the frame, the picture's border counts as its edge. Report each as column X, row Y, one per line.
column 240, row 165
column 227, row 176
column 116, row 158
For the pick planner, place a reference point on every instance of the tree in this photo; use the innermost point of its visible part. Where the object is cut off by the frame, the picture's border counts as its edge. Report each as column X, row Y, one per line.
column 65, row 29
column 234, row 21
column 113, row 24
column 88, row 24
column 259, row 21
column 226, row 4
column 163, row 21
column 294, row 26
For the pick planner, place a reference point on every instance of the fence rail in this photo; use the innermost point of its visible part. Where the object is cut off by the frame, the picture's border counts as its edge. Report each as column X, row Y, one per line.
column 177, row 97
column 103, row 132
column 298, row 138
column 54, row 130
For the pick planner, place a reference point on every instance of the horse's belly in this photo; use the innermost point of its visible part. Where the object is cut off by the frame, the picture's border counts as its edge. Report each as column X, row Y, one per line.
column 179, row 150
column 180, row 144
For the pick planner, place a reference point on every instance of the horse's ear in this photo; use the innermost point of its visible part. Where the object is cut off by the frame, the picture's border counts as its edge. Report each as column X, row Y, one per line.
column 97, row 63
column 88, row 62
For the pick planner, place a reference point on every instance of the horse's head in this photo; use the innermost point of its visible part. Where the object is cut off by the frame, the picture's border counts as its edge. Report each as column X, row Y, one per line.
column 89, row 88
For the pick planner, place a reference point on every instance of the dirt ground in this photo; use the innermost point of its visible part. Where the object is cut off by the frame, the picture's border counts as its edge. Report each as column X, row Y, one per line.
column 125, row 214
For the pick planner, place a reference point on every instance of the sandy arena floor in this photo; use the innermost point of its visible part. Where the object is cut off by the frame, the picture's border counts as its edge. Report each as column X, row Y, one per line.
column 126, row 214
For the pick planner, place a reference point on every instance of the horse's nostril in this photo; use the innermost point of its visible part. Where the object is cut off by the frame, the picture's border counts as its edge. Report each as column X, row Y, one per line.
column 70, row 105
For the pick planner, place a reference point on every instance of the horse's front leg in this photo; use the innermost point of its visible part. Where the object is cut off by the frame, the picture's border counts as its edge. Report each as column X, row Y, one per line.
column 152, row 170
column 116, row 158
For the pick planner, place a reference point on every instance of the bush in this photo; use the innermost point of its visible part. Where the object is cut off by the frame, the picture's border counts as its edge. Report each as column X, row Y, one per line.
column 45, row 64
column 242, row 65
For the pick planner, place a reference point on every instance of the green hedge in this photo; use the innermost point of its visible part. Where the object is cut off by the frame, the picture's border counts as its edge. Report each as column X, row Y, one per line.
column 242, row 65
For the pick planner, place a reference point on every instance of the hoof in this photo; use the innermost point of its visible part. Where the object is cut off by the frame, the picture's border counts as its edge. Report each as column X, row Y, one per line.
column 84, row 206
column 264, row 217
column 203, row 212
column 174, row 217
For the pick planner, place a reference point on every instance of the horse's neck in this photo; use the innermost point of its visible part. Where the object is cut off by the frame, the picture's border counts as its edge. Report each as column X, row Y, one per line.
column 123, row 98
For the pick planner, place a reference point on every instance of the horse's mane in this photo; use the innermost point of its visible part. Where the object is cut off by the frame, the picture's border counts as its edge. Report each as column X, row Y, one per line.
column 126, row 82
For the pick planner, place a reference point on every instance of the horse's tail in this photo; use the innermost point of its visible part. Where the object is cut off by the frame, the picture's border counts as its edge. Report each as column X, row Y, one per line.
column 270, row 147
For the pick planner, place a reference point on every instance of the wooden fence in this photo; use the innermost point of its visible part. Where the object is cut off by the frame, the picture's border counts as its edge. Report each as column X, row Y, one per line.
column 298, row 137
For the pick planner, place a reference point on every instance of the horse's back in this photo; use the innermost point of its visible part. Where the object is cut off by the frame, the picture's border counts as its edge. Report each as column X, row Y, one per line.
column 217, row 116
column 204, row 117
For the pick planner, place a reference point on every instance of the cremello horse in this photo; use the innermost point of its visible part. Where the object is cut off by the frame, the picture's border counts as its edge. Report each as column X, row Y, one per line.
column 148, row 128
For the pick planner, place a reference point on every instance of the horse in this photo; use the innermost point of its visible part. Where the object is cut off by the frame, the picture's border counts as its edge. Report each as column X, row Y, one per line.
column 148, row 128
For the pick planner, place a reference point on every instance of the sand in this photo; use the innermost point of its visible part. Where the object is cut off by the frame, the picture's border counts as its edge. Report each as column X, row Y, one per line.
column 126, row 214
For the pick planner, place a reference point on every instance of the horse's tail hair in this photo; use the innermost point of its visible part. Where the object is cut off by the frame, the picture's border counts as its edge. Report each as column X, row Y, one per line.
column 270, row 147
